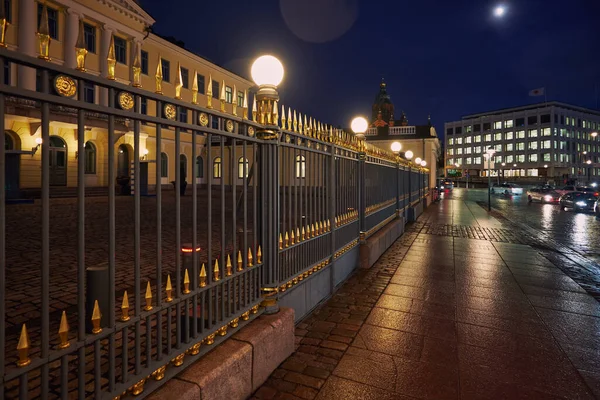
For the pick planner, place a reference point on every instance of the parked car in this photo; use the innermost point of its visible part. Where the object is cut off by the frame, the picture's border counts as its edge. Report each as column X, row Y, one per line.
column 566, row 189
column 507, row 188
column 543, row 195
column 571, row 188
column 445, row 184
column 578, row 201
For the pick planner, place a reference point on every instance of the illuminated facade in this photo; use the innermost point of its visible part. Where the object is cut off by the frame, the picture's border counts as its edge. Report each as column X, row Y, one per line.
column 112, row 39
column 553, row 140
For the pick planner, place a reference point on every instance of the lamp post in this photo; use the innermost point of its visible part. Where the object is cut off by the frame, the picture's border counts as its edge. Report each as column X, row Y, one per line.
column 409, row 155
column 490, row 152
column 457, row 165
column 589, row 171
column 267, row 72
column 396, row 147
column 423, row 165
column 503, row 165
column 418, row 164
column 359, row 126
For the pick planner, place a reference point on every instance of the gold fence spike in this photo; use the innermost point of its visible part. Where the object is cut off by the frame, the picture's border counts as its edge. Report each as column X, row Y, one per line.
column 312, row 230
column 300, row 127
column 275, row 117
column 169, row 289
column 289, row 119
column 96, row 317
column 298, row 238
column 254, row 109
column 178, row 82
column 240, row 262
column 283, row 125
column 80, row 50
column 328, row 226
column 245, row 105
column 63, row 332
column 23, row 348
column 195, row 88
column 249, row 257
column 295, row 124
column 159, row 76
column 222, row 97
column 303, row 234
column 209, row 92
column 280, row 242
column 287, row 240
column 216, row 271
column 305, row 125
column 203, row 276
column 125, row 308
column 186, row 282
column 293, row 238
column 259, row 255
column 3, row 25
column 111, row 59
column 234, row 101
column 136, row 67
column 228, row 266
column 44, row 35
column 148, row 297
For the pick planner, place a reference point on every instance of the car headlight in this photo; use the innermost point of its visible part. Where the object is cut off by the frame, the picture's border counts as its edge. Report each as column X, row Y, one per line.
column 548, row 197
column 581, row 203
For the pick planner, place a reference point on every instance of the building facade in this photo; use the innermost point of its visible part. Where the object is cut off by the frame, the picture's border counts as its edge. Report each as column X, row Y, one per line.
column 384, row 130
column 118, row 29
column 548, row 141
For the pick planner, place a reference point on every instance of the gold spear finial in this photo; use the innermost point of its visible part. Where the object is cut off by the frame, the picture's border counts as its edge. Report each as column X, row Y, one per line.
column 280, row 242
column 234, row 101
column 111, row 59
column 283, row 126
column 23, row 348
column 309, row 128
column 178, row 82
column 298, row 238
column 312, row 230
column 295, row 122
column 148, row 297
column 328, row 225
column 321, row 227
column 287, row 240
column 249, row 257
column 169, row 289
column 254, row 109
column 222, row 96
column 96, row 317
column 186, row 282
column 245, row 105
column 292, row 237
column 80, row 50
column 303, row 234
column 195, row 88
column 44, row 35
column 203, row 276
column 125, row 308
column 300, row 130
column 159, row 76
column 216, row 270
column 305, row 125
column 289, row 119
column 209, row 92
column 63, row 332
column 136, row 67
column 275, row 114
column 259, row 255
column 3, row 25
column 228, row 266
column 240, row 262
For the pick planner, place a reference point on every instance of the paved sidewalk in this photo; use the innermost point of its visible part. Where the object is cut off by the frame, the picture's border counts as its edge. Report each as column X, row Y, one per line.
column 469, row 312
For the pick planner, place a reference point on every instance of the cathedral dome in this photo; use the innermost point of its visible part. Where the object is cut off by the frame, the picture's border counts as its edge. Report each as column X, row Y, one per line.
column 383, row 108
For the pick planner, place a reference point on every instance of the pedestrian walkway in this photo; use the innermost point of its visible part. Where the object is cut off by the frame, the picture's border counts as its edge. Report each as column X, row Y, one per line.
column 447, row 317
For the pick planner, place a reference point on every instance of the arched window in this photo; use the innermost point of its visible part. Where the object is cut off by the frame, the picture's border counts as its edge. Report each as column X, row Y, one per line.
column 90, row 158
column 217, row 167
column 199, row 167
column 183, row 166
column 8, row 142
column 56, row 141
column 300, row 167
column 242, row 167
column 164, row 165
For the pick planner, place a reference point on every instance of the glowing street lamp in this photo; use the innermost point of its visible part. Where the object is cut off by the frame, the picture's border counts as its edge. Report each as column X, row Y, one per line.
column 408, row 155
column 423, row 163
column 490, row 153
column 594, row 134
column 267, row 72
column 588, row 162
column 396, row 147
column 418, row 160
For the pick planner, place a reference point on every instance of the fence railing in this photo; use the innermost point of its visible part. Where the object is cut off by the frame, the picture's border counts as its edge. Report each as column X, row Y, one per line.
column 110, row 297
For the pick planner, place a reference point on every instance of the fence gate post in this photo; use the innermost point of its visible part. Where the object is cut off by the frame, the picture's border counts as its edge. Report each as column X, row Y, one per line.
column 362, row 191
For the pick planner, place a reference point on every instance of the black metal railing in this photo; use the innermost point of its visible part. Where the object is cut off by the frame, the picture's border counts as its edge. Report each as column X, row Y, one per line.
column 113, row 295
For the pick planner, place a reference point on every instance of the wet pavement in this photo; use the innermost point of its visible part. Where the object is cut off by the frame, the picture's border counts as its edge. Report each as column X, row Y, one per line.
column 464, row 305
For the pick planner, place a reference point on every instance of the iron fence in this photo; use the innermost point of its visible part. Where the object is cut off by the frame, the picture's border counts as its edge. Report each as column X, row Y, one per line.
column 145, row 284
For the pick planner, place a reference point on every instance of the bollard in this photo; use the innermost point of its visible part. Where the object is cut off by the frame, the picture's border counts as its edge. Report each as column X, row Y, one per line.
column 96, row 280
column 187, row 251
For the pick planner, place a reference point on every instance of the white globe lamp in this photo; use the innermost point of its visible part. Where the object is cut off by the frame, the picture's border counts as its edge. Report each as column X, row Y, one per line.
column 267, row 71
column 396, row 147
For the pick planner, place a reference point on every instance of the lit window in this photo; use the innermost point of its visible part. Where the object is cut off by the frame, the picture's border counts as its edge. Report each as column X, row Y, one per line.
column 498, row 125
column 508, row 123
column 509, row 147
column 451, row 161
column 521, row 158
column 459, row 150
column 459, row 161
column 478, row 139
column 468, row 139
column 300, row 167
column 242, row 167
column 240, row 99
column 467, row 150
column 477, row 149
column 520, row 134
column 532, row 145
column 468, row 129
column 228, row 94
column 450, row 152
column 521, row 146
column 533, row 158
column 509, row 136
column 509, row 159
column 533, row 133
column 498, row 159
column 498, row 147
column 477, row 160
column 217, row 168
column 547, row 144
column 546, row 132
column 547, row 157
column 459, row 141
column 497, row 137
column 488, row 137
column 451, row 141
column 90, row 158
column 468, row 160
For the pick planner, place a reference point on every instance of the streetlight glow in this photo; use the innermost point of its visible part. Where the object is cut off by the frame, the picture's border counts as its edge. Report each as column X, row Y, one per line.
column 396, row 147
column 267, row 70
column 423, row 163
column 594, row 134
column 359, row 125
column 408, row 155
column 418, row 160
column 588, row 162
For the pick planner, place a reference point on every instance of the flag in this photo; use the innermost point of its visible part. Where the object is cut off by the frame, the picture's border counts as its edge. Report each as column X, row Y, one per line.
column 537, row 92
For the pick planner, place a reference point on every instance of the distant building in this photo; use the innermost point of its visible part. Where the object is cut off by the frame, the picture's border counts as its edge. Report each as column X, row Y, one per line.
column 554, row 140
column 422, row 140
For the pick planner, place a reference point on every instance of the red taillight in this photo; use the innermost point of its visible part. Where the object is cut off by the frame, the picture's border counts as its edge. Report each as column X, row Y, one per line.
column 596, row 194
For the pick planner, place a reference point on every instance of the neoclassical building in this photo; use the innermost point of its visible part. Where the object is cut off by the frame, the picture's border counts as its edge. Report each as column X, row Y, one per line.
column 384, row 130
column 121, row 28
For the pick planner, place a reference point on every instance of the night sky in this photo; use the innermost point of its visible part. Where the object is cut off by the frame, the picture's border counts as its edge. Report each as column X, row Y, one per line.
column 444, row 58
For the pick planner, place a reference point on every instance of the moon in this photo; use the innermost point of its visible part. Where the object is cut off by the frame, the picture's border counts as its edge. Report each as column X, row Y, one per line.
column 499, row 11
